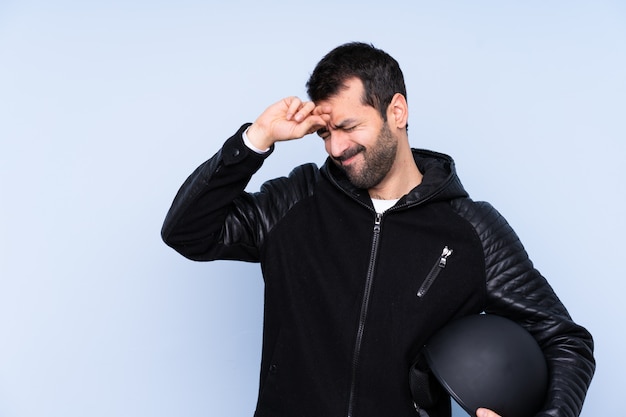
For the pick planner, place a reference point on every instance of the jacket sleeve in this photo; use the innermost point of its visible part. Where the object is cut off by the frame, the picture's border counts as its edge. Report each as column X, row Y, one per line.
column 196, row 224
column 515, row 289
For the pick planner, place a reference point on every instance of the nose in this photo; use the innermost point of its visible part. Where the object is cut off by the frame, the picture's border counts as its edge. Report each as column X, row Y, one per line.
column 337, row 143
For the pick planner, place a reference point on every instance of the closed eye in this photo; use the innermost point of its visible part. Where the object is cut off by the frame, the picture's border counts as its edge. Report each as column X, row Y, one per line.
column 323, row 133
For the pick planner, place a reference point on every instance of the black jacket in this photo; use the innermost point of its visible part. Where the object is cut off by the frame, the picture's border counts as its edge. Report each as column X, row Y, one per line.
column 343, row 319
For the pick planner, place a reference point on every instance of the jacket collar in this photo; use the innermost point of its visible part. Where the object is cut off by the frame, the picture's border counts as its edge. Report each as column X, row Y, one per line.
column 440, row 181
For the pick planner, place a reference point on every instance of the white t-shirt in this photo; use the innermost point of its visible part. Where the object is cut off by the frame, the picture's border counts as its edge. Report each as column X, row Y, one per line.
column 383, row 205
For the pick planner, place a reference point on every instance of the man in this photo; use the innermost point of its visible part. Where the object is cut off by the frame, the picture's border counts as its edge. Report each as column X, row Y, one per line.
column 366, row 257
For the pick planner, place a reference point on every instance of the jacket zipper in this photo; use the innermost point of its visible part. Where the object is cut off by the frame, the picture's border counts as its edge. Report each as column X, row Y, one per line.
column 363, row 315
column 434, row 272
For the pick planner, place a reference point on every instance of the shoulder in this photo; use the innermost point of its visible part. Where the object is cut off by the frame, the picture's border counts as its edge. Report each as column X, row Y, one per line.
column 301, row 179
column 498, row 238
column 481, row 214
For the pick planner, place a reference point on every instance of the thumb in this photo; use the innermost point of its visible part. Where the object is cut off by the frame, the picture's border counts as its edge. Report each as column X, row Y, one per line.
column 485, row 412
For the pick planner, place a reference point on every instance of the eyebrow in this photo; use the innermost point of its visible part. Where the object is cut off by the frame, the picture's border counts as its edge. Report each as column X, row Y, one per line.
column 344, row 123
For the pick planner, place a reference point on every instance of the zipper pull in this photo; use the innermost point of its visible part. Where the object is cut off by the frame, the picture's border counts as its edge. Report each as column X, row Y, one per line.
column 377, row 221
column 434, row 272
column 444, row 257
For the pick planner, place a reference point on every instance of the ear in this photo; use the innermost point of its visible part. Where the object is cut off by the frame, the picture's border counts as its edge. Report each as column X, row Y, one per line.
column 398, row 112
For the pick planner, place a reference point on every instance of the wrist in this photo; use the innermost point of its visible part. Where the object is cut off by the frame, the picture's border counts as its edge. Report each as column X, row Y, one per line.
column 257, row 139
column 250, row 145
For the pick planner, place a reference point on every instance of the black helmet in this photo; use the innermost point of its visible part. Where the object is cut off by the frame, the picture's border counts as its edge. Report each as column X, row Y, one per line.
column 489, row 361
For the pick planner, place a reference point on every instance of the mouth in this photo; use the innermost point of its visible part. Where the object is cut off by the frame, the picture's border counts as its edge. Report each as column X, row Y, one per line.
column 348, row 156
column 346, row 161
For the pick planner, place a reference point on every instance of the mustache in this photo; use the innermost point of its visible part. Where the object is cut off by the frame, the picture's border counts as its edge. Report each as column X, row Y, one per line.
column 349, row 153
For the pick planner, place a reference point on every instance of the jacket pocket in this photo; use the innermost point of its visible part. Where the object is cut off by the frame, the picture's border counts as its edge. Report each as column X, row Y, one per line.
column 439, row 266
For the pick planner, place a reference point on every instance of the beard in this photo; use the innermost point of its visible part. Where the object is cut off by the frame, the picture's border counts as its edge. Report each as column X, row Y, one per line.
column 377, row 160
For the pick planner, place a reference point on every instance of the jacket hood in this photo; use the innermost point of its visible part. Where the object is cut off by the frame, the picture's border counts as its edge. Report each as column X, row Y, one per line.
column 440, row 182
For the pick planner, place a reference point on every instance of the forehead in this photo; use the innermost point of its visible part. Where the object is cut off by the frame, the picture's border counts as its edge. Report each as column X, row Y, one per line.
column 348, row 102
column 351, row 93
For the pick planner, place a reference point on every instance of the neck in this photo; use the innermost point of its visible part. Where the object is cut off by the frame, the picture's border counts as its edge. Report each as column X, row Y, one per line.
column 402, row 178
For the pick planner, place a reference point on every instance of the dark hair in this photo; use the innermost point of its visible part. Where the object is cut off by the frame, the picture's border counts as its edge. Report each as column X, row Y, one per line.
column 378, row 71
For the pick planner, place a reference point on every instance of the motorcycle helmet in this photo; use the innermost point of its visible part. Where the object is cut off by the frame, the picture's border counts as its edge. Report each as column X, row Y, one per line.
column 489, row 361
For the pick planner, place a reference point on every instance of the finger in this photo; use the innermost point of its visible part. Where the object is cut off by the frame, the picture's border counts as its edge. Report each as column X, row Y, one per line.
column 484, row 412
column 324, row 112
column 322, row 109
column 304, row 111
column 312, row 124
column 293, row 104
